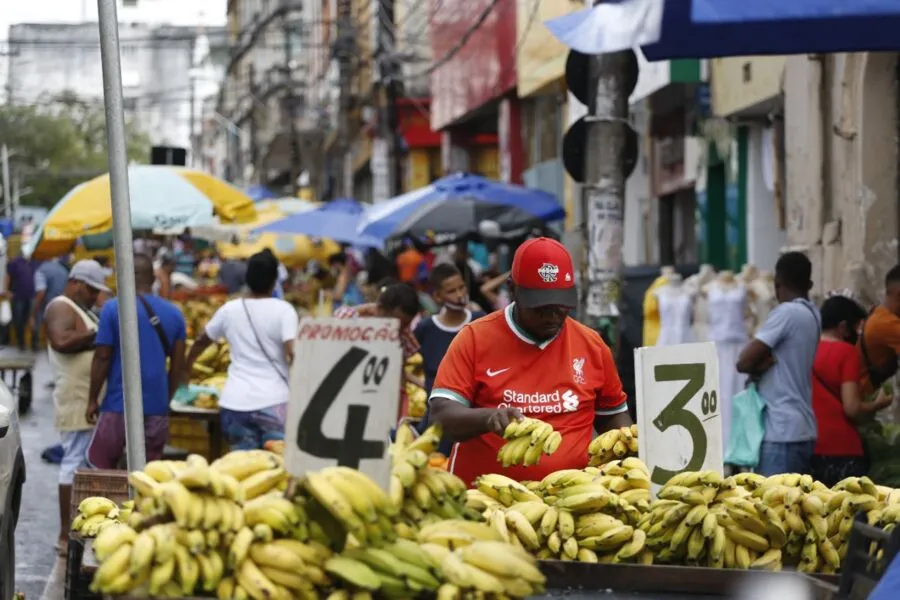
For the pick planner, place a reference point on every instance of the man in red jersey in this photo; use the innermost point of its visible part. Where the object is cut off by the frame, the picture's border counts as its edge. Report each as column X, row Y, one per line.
column 529, row 360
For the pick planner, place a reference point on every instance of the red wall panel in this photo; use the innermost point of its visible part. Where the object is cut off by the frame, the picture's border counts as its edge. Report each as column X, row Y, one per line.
column 483, row 69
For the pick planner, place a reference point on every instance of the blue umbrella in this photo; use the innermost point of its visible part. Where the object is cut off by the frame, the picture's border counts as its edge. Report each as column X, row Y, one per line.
column 388, row 219
column 714, row 28
column 337, row 220
column 258, row 193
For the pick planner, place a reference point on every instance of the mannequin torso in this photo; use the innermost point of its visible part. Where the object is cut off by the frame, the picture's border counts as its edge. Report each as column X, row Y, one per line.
column 675, row 312
column 696, row 284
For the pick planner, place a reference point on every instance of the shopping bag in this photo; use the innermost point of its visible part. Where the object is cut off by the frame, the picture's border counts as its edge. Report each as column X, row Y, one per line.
column 5, row 313
column 747, row 428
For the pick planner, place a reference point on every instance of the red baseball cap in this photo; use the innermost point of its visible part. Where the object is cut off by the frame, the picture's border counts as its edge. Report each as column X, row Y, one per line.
column 543, row 274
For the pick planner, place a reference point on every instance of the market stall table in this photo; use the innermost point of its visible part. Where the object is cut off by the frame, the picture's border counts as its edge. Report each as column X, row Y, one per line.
column 16, row 368
column 209, row 418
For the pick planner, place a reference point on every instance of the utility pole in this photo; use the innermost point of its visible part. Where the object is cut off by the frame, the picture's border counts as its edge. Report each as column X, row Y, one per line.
column 388, row 122
column 612, row 78
column 343, row 49
column 600, row 152
column 254, row 137
column 7, row 194
column 290, row 100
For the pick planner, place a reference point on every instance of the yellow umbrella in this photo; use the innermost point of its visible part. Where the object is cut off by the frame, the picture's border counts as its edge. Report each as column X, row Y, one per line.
column 292, row 250
column 161, row 197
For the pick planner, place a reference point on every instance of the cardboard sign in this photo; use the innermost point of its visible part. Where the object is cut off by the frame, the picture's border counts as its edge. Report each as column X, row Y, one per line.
column 345, row 390
column 678, row 409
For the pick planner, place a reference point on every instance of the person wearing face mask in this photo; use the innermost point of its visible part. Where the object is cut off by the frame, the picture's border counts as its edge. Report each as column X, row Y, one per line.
column 837, row 394
column 529, row 360
column 435, row 333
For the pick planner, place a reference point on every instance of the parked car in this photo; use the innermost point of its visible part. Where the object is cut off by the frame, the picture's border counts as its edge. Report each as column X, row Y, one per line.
column 12, row 478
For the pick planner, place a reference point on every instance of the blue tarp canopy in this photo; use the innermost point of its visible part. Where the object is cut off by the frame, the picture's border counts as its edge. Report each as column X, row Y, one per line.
column 716, row 28
column 336, row 220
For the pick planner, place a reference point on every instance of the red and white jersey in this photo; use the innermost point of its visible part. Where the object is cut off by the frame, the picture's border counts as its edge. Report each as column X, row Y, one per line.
column 564, row 381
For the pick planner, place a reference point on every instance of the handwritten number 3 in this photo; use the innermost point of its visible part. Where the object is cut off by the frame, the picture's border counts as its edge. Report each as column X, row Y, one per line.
column 676, row 415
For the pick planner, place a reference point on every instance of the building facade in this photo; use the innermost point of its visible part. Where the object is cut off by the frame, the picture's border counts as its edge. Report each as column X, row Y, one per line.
column 160, row 87
column 260, row 108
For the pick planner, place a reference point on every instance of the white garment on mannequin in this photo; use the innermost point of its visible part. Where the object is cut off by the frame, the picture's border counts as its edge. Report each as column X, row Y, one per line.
column 695, row 285
column 763, row 288
column 727, row 304
column 675, row 312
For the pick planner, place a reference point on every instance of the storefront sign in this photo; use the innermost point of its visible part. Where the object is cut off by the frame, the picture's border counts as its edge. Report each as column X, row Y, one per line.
column 345, row 388
column 678, row 411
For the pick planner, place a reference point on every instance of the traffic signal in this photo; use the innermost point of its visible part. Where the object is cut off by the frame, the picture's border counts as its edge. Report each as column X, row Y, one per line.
column 582, row 82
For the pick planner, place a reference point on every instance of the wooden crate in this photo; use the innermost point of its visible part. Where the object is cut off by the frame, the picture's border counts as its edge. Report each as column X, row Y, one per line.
column 109, row 483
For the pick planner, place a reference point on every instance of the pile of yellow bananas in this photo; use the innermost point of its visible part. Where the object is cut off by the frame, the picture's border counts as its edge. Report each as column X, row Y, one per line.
column 613, row 444
column 96, row 513
column 421, row 493
column 212, row 365
column 418, row 397
column 237, row 529
column 527, row 441
column 571, row 514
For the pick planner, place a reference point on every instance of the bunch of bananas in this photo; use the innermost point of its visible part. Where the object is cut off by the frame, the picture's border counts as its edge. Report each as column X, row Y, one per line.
column 613, row 444
column 527, row 441
column 211, row 366
column 422, row 493
column 418, row 397
column 96, row 513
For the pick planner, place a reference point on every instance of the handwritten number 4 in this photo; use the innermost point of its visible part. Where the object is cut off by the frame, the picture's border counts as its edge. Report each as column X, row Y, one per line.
column 676, row 415
column 350, row 449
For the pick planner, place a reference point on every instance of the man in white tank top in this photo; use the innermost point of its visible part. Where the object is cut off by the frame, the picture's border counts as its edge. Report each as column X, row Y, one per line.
column 71, row 328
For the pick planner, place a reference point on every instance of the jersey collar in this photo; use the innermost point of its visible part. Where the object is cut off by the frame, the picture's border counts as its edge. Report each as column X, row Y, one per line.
column 520, row 333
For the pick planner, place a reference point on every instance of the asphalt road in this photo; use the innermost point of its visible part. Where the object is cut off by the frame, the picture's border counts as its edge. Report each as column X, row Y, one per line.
column 38, row 521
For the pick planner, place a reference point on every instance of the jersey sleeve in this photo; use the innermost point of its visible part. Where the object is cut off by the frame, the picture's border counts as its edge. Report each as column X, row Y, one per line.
column 456, row 375
column 610, row 398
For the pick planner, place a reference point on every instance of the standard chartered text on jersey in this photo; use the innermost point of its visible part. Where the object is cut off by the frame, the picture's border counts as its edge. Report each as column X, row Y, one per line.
column 537, row 403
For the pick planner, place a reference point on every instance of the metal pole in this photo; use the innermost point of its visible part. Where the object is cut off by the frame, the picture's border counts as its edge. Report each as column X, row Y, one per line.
column 390, row 82
column 290, row 101
column 604, row 190
column 121, row 226
column 7, row 194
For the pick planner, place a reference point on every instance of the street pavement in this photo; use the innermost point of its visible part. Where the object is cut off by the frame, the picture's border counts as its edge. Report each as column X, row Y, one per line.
column 38, row 519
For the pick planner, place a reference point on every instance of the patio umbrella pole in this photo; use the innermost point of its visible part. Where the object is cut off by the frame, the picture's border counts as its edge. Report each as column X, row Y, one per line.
column 121, row 226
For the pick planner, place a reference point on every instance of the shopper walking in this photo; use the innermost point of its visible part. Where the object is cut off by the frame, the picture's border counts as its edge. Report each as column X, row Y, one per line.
column 781, row 358
column 161, row 335
column 260, row 330
column 71, row 330
column 20, row 284
column 837, row 394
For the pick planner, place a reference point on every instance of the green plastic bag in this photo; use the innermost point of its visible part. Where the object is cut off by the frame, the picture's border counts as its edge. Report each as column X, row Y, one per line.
column 748, row 427
column 186, row 394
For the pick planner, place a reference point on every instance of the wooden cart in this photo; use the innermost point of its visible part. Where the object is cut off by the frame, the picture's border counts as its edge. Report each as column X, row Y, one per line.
column 16, row 371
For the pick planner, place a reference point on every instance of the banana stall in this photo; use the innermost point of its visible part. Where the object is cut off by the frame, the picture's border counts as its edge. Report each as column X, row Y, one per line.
column 242, row 527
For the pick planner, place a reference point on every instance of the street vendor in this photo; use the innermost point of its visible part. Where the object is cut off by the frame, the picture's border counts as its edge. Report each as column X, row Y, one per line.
column 530, row 360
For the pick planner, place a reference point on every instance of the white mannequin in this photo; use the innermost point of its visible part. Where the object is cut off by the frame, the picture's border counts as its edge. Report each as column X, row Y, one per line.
column 696, row 284
column 675, row 312
column 667, row 271
column 763, row 300
column 728, row 298
column 749, row 272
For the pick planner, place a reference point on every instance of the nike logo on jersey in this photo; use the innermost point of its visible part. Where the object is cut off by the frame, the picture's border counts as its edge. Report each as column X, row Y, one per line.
column 492, row 373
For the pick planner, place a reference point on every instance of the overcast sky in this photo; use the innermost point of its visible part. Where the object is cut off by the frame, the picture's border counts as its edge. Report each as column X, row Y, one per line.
column 176, row 12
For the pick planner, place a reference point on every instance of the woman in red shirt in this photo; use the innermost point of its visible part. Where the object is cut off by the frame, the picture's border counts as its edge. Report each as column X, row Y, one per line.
column 837, row 395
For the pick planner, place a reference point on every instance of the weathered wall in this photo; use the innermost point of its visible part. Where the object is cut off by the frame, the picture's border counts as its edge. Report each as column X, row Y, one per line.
column 841, row 151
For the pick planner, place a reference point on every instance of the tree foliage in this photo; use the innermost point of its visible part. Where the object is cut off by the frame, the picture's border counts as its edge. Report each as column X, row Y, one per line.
column 61, row 142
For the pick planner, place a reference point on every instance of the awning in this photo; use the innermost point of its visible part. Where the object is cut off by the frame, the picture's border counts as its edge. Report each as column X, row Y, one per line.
column 718, row 28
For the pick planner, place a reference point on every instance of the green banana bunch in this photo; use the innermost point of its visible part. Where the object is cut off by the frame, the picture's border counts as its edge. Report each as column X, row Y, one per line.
column 527, row 441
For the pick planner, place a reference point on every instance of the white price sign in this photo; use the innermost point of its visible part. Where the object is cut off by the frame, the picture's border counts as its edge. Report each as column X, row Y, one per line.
column 345, row 390
column 678, row 411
